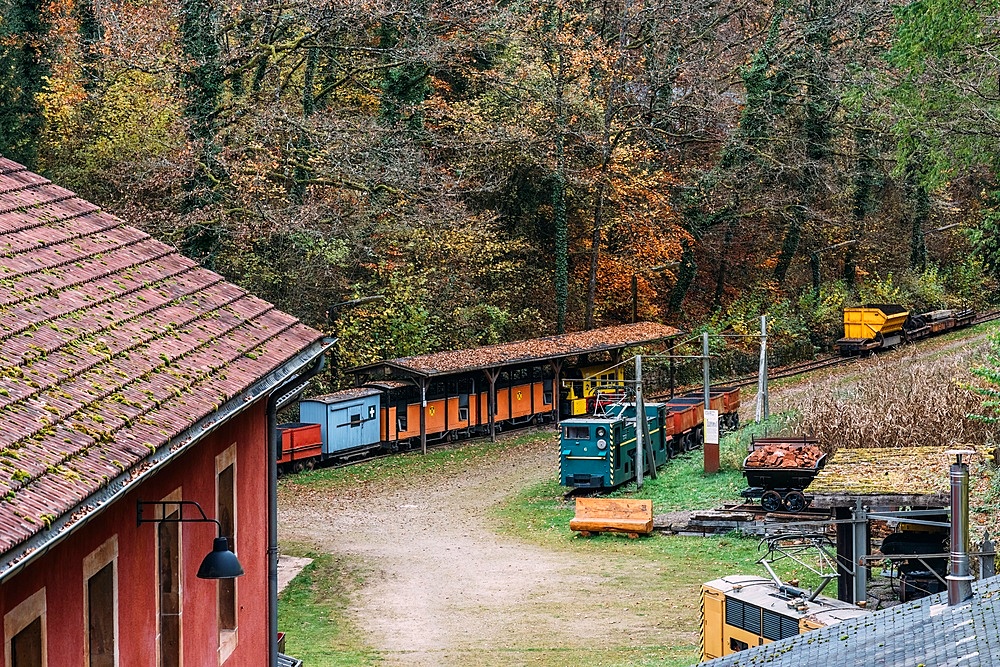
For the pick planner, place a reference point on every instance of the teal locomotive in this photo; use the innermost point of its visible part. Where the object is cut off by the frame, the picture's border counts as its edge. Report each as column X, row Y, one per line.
column 601, row 452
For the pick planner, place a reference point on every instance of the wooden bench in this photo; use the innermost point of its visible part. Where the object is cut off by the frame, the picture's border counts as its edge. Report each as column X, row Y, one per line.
column 613, row 515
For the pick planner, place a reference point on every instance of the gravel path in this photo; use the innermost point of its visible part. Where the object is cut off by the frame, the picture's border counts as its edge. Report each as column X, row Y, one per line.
column 445, row 590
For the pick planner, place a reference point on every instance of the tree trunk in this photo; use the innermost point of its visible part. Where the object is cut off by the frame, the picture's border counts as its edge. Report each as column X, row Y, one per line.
column 595, row 254
column 685, row 277
column 790, row 245
column 23, row 68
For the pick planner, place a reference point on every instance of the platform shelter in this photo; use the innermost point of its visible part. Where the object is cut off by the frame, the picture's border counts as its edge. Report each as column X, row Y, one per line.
column 557, row 352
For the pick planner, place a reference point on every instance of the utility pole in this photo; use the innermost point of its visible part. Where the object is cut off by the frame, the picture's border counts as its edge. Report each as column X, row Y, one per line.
column 711, row 449
column 763, row 412
column 640, row 413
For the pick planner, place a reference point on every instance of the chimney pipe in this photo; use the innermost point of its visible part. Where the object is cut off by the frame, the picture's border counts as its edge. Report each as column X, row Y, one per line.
column 959, row 577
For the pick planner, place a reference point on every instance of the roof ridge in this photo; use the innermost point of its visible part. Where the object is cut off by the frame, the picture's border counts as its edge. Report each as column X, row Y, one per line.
column 18, row 169
column 54, row 200
column 26, row 186
column 99, row 437
column 117, row 222
column 167, row 251
column 117, row 295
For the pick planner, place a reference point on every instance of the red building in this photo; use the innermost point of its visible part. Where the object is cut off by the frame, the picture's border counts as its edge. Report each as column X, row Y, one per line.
column 133, row 384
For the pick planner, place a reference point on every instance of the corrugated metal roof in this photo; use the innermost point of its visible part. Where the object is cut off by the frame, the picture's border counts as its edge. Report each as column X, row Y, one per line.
column 528, row 351
column 111, row 344
column 925, row 632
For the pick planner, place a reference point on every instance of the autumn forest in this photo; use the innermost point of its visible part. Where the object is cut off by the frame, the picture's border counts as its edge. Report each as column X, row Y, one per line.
column 503, row 170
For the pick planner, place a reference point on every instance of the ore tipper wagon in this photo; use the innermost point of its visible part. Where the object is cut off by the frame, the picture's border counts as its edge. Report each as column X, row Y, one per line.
column 779, row 469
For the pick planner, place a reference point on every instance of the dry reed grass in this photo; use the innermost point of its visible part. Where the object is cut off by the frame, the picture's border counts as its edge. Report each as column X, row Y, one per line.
column 898, row 401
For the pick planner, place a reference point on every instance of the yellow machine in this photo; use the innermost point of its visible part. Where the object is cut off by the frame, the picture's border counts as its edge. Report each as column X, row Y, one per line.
column 742, row 611
column 583, row 390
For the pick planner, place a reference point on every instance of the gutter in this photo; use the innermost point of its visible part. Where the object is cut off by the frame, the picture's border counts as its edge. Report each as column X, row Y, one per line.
column 27, row 552
column 280, row 396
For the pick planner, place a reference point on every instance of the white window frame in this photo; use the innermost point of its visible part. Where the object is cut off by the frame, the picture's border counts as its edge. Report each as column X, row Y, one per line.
column 20, row 617
column 95, row 561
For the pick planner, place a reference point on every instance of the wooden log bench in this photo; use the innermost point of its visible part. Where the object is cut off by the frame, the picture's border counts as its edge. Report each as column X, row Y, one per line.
column 613, row 515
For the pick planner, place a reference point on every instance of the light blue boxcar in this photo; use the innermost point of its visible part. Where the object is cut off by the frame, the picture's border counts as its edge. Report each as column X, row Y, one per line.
column 348, row 419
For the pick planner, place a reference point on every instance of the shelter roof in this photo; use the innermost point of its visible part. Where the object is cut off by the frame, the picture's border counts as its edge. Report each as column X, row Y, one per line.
column 916, row 475
column 526, row 351
column 923, row 632
column 112, row 347
column 349, row 394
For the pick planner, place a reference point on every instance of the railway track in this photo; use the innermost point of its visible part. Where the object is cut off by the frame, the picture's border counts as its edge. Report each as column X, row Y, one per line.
column 825, row 361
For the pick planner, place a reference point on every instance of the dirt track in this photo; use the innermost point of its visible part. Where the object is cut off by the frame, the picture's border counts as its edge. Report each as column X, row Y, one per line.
column 445, row 590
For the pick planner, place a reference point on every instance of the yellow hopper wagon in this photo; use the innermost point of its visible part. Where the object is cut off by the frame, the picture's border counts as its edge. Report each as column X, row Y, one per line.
column 872, row 327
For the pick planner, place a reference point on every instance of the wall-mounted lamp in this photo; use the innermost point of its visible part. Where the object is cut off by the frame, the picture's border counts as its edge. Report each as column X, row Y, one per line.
column 220, row 563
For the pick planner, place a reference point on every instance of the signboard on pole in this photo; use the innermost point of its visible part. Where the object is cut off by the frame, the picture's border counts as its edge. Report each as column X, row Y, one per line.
column 711, row 427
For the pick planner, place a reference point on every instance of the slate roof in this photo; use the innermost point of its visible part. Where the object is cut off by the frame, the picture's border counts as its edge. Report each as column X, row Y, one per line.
column 924, row 632
column 112, row 346
column 527, row 351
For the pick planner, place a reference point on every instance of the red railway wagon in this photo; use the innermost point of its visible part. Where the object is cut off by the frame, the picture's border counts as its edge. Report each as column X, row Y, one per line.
column 301, row 446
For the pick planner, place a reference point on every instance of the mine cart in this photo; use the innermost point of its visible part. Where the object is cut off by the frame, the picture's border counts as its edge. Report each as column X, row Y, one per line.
column 778, row 469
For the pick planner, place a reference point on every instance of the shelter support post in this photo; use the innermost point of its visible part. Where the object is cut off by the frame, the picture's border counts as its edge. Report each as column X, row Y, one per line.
column 556, row 372
column 859, row 538
column 491, row 400
column 852, row 546
column 423, row 415
column 987, row 558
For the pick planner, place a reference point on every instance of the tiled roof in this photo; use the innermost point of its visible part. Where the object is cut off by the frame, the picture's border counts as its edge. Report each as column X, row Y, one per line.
column 529, row 351
column 925, row 632
column 111, row 344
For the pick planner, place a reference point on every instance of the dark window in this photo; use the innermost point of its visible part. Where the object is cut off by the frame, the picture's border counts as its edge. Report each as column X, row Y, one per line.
column 168, row 557
column 741, row 615
column 737, row 645
column 101, row 614
column 26, row 646
column 356, row 420
column 463, row 414
column 778, row 627
column 578, row 432
column 227, row 517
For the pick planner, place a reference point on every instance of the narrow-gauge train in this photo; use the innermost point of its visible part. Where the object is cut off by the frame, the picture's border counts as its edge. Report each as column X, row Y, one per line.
column 743, row 611
column 601, row 452
column 385, row 416
column 882, row 326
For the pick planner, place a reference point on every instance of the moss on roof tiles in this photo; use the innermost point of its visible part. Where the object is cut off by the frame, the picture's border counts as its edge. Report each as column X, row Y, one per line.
column 96, row 376
column 885, row 471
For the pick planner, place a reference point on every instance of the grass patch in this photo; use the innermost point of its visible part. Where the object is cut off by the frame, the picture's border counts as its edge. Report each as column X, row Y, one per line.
column 311, row 610
column 412, row 465
column 660, row 576
column 683, row 484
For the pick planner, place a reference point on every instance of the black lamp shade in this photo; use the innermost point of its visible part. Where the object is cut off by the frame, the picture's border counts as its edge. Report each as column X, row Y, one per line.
column 221, row 563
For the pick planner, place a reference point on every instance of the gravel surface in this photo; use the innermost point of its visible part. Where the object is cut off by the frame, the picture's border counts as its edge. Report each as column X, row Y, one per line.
column 446, row 590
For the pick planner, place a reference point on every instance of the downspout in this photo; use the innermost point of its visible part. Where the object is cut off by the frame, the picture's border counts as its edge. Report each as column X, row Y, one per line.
column 279, row 398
